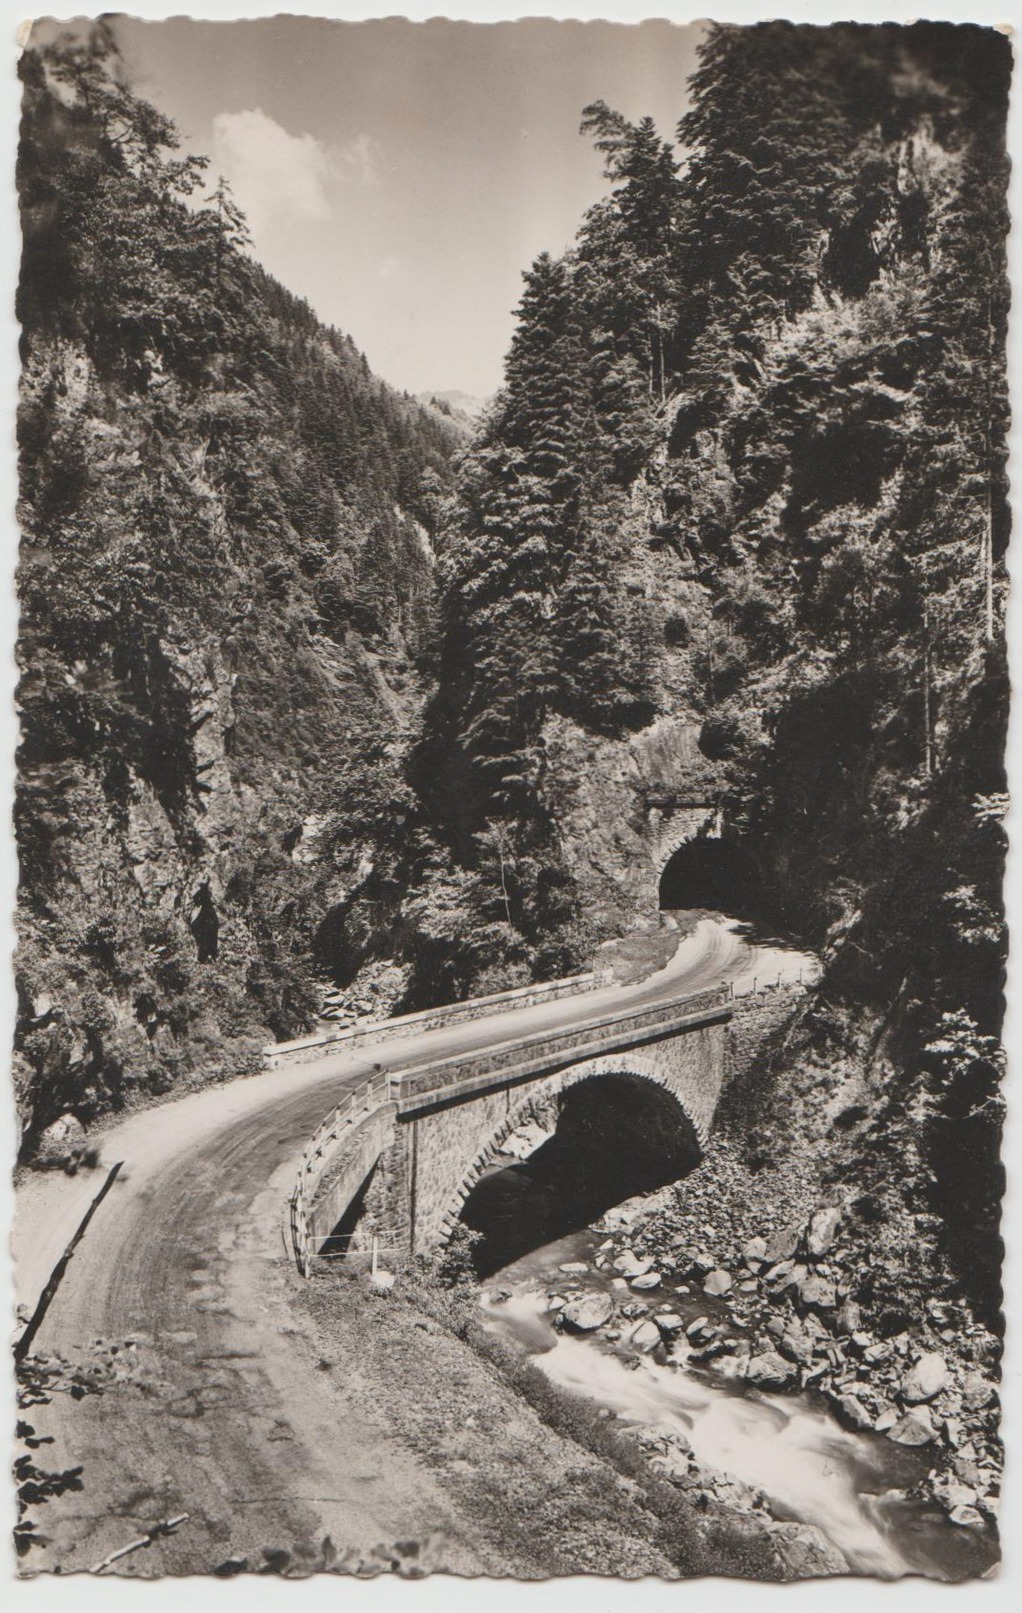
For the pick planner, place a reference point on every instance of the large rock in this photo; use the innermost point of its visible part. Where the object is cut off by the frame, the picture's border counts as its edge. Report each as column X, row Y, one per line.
column 853, row 1413
column 669, row 1323
column 966, row 1518
column 754, row 1253
column 977, row 1391
column 588, row 1313
column 822, row 1230
column 698, row 1265
column 769, row 1371
column 645, row 1337
column 915, row 1428
column 782, row 1245
column 717, row 1282
column 794, row 1342
column 64, row 1140
column 926, row 1379
column 779, row 1273
column 818, row 1291
column 629, row 1264
column 651, row 1279
column 805, row 1551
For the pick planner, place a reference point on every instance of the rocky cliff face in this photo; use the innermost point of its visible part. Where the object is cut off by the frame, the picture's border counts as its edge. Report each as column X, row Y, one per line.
column 172, row 786
column 225, row 582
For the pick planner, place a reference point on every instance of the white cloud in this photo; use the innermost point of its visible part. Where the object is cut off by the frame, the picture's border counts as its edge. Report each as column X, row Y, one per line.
column 279, row 178
column 360, row 161
column 276, row 177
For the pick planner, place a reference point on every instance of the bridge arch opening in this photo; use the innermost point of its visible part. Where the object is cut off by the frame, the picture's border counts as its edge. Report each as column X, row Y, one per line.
column 348, row 1233
column 616, row 1135
column 719, row 875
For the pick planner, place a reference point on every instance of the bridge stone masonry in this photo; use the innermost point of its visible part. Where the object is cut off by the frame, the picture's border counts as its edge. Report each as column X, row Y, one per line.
column 399, row 1157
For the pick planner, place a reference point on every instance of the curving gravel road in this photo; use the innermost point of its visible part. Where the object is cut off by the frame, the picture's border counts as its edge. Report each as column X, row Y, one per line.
column 182, row 1289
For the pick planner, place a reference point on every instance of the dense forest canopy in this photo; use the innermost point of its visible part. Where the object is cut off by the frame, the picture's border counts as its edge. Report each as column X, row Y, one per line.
column 790, row 358
column 745, row 477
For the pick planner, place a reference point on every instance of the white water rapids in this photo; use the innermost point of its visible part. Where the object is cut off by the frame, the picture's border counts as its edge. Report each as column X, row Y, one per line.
column 850, row 1486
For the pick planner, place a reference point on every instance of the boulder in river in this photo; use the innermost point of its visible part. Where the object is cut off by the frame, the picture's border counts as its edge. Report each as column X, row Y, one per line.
column 585, row 1315
column 769, row 1371
column 926, row 1379
column 717, row 1282
column 954, row 1494
column 649, row 1279
column 669, row 1323
column 646, row 1336
column 853, row 1413
column 966, row 1517
column 574, row 1268
column 629, row 1264
column 822, row 1230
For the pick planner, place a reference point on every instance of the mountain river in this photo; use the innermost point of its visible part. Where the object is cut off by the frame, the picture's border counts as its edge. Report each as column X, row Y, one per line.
column 856, row 1488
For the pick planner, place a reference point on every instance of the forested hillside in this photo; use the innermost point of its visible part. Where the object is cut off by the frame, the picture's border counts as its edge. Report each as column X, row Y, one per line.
column 225, row 584
column 746, row 479
column 733, row 529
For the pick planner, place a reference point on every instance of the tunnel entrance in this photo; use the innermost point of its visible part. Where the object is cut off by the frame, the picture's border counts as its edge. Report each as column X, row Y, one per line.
column 617, row 1135
column 720, row 875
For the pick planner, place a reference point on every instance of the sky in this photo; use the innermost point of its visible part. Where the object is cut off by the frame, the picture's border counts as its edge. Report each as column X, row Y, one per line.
column 400, row 175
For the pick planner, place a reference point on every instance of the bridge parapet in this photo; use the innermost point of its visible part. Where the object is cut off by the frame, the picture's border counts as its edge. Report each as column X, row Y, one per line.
column 435, row 1120
column 524, row 1058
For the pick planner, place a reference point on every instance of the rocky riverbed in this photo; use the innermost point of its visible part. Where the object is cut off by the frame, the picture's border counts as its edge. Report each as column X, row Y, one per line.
column 787, row 1317
column 753, row 1286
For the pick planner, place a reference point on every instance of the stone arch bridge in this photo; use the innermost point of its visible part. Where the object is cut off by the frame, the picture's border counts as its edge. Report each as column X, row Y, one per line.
column 401, row 1154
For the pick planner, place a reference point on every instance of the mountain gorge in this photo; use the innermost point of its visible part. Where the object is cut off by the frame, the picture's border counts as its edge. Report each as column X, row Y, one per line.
column 226, row 598
column 312, row 691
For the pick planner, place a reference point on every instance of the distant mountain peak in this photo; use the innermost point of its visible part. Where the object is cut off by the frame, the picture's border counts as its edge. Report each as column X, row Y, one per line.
column 458, row 406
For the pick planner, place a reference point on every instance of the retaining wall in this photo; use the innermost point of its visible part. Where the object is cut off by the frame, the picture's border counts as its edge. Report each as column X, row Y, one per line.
column 756, row 1021
column 306, row 1048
